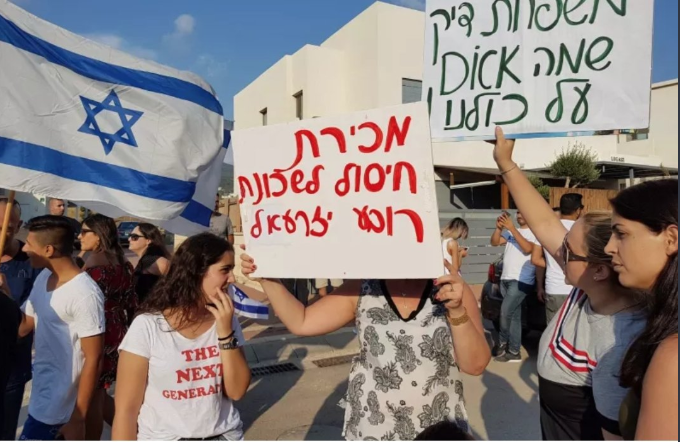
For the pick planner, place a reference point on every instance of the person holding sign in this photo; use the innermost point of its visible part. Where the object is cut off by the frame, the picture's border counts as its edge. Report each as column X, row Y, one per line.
column 415, row 336
column 581, row 351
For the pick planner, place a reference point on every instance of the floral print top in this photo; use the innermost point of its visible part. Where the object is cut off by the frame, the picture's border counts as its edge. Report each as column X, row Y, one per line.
column 405, row 378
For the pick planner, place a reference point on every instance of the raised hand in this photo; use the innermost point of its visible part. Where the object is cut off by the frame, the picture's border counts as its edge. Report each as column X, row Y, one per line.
column 502, row 152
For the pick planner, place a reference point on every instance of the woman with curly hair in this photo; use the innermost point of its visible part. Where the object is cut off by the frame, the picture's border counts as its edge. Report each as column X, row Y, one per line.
column 107, row 266
column 181, row 363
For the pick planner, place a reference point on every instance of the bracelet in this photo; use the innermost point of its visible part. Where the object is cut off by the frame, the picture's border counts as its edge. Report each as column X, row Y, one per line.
column 509, row 170
column 458, row 321
column 231, row 335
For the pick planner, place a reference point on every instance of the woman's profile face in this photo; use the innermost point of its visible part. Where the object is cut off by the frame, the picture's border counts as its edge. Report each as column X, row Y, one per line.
column 219, row 275
column 639, row 255
column 89, row 241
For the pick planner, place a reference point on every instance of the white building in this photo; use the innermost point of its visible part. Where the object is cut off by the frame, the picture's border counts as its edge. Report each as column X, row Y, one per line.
column 376, row 60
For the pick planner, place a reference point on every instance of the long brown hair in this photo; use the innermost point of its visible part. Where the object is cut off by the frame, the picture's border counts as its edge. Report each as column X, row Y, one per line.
column 107, row 232
column 180, row 291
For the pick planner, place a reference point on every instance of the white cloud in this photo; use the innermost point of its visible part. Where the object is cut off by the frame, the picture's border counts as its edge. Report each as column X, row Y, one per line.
column 184, row 24
column 117, row 42
column 210, row 66
column 413, row 4
column 178, row 39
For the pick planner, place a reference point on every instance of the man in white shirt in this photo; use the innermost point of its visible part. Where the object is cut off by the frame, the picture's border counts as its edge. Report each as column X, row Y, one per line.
column 220, row 224
column 517, row 282
column 551, row 286
column 66, row 311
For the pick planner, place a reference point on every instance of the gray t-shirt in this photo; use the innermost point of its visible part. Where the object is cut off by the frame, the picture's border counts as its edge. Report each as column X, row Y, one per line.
column 583, row 349
column 221, row 225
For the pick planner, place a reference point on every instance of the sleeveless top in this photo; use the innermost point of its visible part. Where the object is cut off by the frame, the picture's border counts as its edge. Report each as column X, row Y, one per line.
column 145, row 282
column 445, row 249
column 120, row 304
column 405, row 378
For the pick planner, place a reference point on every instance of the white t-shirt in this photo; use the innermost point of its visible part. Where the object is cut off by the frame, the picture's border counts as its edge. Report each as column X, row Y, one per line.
column 183, row 397
column 554, row 276
column 516, row 265
column 62, row 317
column 221, row 226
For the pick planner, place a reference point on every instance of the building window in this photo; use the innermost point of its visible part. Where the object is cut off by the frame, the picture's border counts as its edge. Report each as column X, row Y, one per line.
column 411, row 91
column 640, row 135
column 298, row 105
column 263, row 112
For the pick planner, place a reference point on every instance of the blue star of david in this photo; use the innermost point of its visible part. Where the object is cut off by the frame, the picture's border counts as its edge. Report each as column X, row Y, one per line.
column 240, row 295
column 128, row 118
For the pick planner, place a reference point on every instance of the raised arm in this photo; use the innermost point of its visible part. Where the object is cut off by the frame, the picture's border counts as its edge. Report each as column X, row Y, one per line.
column 538, row 214
column 497, row 236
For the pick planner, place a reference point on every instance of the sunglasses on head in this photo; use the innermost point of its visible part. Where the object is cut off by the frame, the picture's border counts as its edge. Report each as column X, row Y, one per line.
column 135, row 237
column 569, row 255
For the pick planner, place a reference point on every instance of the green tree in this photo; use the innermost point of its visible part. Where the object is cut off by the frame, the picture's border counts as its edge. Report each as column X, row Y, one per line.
column 576, row 165
column 540, row 186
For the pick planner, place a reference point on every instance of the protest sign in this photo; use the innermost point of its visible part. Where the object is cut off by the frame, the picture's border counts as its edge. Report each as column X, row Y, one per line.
column 345, row 197
column 537, row 66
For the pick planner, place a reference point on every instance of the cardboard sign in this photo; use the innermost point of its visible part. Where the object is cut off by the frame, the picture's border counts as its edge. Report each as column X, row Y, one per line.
column 537, row 66
column 346, row 197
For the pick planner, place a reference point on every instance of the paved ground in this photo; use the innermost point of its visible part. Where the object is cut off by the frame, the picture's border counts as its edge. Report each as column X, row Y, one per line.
column 303, row 404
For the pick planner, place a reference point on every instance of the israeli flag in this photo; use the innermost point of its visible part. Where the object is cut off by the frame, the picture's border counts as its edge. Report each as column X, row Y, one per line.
column 246, row 307
column 96, row 126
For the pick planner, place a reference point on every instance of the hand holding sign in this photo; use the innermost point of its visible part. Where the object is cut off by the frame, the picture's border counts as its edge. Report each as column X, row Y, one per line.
column 502, row 152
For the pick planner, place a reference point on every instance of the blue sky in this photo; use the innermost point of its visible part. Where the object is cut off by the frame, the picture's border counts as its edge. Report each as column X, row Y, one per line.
column 231, row 42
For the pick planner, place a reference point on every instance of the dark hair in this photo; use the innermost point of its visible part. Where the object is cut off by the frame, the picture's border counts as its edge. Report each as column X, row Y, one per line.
column 570, row 203
column 557, row 209
column 107, row 232
column 180, row 291
column 55, row 231
column 157, row 246
column 654, row 204
column 444, row 430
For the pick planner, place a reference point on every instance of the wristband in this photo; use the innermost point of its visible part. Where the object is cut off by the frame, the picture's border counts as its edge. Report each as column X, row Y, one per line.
column 231, row 335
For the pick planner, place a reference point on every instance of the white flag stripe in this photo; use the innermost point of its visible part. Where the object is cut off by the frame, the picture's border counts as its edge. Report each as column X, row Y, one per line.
column 170, row 120
column 246, row 307
column 130, row 138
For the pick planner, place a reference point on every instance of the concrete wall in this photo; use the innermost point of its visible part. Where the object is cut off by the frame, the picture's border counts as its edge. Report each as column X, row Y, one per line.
column 663, row 131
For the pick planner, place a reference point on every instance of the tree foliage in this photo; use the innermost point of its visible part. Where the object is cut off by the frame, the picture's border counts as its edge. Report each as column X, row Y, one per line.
column 576, row 164
column 540, row 186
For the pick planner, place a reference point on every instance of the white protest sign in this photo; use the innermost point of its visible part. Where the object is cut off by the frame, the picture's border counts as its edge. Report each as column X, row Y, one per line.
column 537, row 66
column 346, row 197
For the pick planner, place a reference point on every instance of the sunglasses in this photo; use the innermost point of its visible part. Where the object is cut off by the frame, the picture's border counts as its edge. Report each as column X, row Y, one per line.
column 569, row 255
column 135, row 237
column 86, row 231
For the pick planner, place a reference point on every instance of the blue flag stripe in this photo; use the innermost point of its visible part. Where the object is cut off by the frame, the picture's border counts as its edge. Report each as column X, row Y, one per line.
column 227, row 139
column 197, row 213
column 43, row 159
column 109, row 73
column 253, row 309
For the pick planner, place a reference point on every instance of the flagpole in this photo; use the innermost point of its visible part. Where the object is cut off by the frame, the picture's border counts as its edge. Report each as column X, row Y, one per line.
column 5, row 221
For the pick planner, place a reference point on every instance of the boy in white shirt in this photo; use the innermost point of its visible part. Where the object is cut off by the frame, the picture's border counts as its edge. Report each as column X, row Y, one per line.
column 66, row 311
